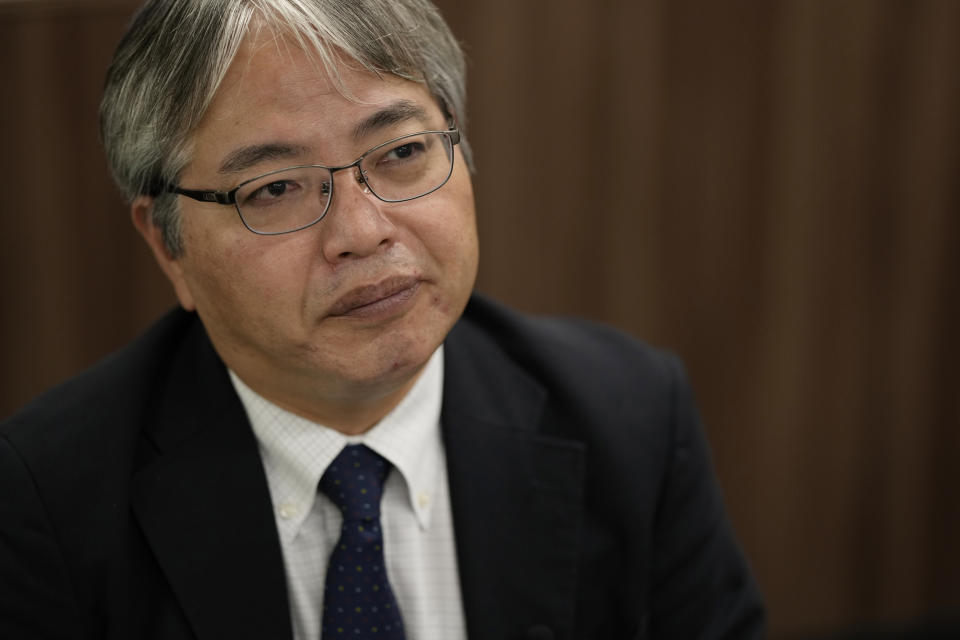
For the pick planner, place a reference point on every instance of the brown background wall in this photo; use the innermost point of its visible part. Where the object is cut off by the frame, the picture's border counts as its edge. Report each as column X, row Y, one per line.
column 768, row 188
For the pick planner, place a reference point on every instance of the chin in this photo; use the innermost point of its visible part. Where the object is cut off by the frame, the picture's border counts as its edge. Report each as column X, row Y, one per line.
column 388, row 360
column 385, row 356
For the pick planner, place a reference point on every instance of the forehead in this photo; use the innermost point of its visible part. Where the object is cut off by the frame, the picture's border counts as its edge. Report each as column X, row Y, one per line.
column 276, row 92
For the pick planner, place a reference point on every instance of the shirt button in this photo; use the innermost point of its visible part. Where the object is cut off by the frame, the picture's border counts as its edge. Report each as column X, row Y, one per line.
column 423, row 499
column 287, row 511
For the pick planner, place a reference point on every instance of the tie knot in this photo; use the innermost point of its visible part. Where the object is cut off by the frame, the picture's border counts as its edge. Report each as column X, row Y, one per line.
column 354, row 482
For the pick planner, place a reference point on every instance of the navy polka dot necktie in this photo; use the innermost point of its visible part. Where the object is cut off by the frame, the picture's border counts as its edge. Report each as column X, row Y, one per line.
column 358, row 602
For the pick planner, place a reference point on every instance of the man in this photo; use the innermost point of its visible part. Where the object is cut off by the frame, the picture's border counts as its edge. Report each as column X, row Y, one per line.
column 300, row 172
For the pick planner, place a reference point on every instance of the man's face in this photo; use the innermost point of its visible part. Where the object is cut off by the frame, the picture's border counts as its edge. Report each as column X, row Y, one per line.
column 347, row 310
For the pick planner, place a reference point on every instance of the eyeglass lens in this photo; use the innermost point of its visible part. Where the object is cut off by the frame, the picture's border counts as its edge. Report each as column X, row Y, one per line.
column 293, row 198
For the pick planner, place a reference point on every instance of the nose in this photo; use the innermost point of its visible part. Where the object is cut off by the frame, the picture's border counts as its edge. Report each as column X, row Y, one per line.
column 355, row 225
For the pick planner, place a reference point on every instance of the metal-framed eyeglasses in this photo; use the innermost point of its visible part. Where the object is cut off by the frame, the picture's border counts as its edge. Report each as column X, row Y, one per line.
column 294, row 198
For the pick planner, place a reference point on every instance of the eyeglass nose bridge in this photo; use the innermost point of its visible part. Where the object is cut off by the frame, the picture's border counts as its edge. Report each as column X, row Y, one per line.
column 360, row 176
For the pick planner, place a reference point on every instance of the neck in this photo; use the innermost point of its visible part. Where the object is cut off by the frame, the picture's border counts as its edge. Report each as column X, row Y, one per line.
column 351, row 412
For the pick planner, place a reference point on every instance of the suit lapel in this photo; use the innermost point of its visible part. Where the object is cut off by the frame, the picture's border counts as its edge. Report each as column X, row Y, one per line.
column 517, row 496
column 204, row 505
column 202, row 499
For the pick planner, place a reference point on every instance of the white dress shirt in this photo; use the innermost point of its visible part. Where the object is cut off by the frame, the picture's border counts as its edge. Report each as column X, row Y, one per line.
column 417, row 524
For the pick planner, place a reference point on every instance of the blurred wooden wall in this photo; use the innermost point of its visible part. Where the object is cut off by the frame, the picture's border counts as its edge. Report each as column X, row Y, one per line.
column 769, row 188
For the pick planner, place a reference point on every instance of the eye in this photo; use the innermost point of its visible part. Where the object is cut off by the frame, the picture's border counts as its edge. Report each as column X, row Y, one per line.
column 403, row 152
column 276, row 188
column 270, row 193
column 272, row 190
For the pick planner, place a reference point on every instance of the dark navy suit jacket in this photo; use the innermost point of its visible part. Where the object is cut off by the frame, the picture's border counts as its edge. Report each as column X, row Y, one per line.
column 133, row 502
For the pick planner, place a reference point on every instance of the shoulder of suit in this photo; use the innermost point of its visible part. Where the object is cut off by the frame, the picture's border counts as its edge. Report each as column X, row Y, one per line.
column 107, row 392
column 571, row 350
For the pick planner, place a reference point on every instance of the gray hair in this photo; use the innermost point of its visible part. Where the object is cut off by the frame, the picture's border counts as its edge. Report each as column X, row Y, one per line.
column 175, row 54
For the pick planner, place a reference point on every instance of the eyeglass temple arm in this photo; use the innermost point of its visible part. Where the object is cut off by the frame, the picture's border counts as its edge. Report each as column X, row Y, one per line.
column 220, row 197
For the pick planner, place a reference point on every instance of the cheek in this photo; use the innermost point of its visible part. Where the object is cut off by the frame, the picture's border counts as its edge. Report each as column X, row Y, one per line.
column 449, row 235
column 448, row 226
column 460, row 231
column 232, row 272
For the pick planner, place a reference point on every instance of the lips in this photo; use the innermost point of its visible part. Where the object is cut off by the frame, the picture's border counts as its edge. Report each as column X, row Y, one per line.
column 372, row 299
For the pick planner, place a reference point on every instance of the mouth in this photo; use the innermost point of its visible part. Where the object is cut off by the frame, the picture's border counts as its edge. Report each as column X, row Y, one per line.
column 387, row 297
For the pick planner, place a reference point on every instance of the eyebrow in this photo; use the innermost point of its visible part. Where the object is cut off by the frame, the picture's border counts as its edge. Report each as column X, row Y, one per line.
column 245, row 157
column 395, row 113
column 241, row 159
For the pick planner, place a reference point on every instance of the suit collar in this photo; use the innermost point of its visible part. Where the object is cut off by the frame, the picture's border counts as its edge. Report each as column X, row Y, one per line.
column 517, row 498
column 517, row 495
column 201, row 498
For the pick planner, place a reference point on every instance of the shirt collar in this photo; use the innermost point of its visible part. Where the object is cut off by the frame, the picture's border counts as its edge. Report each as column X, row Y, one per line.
column 297, row 451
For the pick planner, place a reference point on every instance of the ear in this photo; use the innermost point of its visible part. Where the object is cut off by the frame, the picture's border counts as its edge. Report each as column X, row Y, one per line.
column 141, row 210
